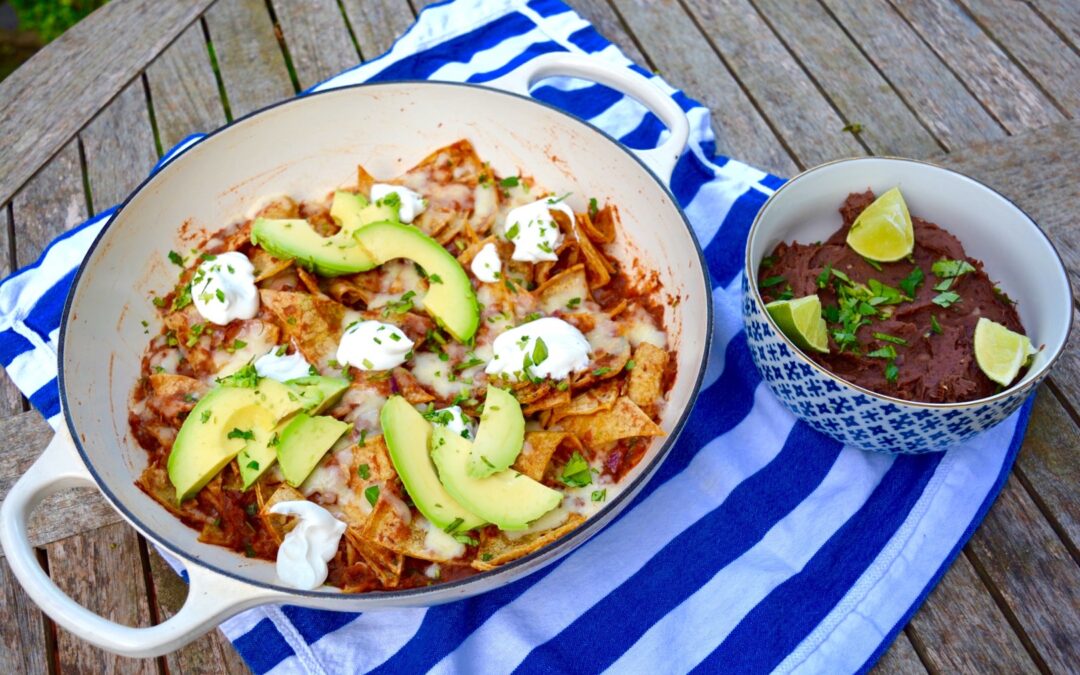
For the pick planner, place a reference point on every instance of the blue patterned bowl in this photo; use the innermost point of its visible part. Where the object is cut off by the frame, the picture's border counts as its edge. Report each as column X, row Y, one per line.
column 1017, row 255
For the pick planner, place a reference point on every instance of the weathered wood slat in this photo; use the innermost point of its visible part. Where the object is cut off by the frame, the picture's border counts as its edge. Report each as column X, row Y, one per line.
column 183, row 89
column 1066, row 373
column 119, row 147
column 51, row 202
column 11, row 401
column 1049, row 61
column 377, row 23
column 1030, row 568
column 934, row 92
column 803, row 118
column 1037, row 171
column 317, row 37
column 1064, row 15
column 249, row 57
column 211, row 653
column 22, row 642
column 863, row 96
column 959, row 629
column 43, row 103
column 1048, row 463
column 986, row 70
column 740, row 130
column 901, row 659
column 102, row 571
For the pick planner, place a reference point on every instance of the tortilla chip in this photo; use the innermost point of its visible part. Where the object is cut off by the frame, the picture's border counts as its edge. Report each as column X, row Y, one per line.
column 309, row 281
column 566, row 290
column 646, row 378
column 266, row 265
column 346, row 292
column 280, row 207
column 605, row 366
column 374, row 454
column 364, row 180
column 313, row 323
column 448, row 179
column 538, row 449
column 384, row 563
column 552, row 400
column 597, row 399
column 601, row 227
column 624, row 420
column 409, row 387
column 599, row 269
column 386, row 528
column 500, row 549
column 527, row 392
column 276, row 523
column 174, row 395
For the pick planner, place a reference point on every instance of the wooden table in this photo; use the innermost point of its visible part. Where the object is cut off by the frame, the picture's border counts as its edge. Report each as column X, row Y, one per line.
column 989, row 87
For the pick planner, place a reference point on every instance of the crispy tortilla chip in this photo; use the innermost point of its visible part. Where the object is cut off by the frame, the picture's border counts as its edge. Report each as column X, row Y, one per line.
column 566, row 290
column 386, row 528
column 280, row 207
column 554, row 399
column 538, row 449
column 466, row 256
column 373, row 454
column 600, row 230
column 500, row 549
column 266, row 265
column 347, row 291
column 364, row 180
column 278, row 524
column 384, row 563
column 409, row 387
column 173, row 395
column 527, row 392
column 309, row 281
column 624, row 420
column 313, row 323
column 646, row 379
column 448, row 179
column 597, row 399
column 605, row 366
column 599, row 269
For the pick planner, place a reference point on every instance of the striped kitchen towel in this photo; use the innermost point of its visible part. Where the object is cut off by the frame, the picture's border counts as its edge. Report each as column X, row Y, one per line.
column 759, row 546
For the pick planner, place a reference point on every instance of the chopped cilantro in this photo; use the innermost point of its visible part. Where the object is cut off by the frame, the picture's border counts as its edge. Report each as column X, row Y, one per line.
column 593, row 207
column 532, row 316
column 371, row 494
column 246, row 434
column 891, row 372
column 946, row 299
column 509, row 181
column 600, row 372
column 363, row 437
column 368, row 364
column 401, row 305
column 245, row 378
column 454, row 524
column 540, row 352
column 205, row 416
column 364, row 470
column 886, row 352
column 513, row 231
column 872, row 263
column 769, row 282
column 576, row 473
column 466, row 539
column 254, row 465
column 435, row 279
column 599, row 495
column 183, row 298
column 935, row 327
column 910, row 284
column 573, row 303
column 176, row 259
column 486, row 556
column 891, row 338
column 196, row 331
column 768, row 261
column 220, row 295
column 630, row 365
column 823, row 278
column 950, row 269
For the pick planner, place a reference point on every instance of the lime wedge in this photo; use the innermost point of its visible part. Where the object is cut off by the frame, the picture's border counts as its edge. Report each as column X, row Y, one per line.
column 800, row 319
column 883, row 230
column 1000, row 352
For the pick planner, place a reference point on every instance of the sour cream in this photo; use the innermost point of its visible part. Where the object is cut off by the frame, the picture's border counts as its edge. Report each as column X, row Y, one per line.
column 282, row 368
column 486, row 264
column 373, row 345
column 566, row 349
column 412, row 203
column 456, row 421
column 223, row 289
column 308, row 547
column 534, row 232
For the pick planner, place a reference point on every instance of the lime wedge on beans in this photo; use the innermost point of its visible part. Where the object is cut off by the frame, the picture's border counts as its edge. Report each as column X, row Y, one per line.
column 800, row 319
column 1000, row 352
column 883, row 231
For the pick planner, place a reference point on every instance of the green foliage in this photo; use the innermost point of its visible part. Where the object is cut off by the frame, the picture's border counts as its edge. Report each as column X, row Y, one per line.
column 50, row 18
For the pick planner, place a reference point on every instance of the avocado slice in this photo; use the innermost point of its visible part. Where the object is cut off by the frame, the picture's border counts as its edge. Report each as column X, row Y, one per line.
column 303, row 442
column 294, row 238
column 318, row 393
column 204, row 446
column 450, row 299
column 508, row 499
column 260, row 453
column 500, row 436
column 407, row 435
column 353, row 211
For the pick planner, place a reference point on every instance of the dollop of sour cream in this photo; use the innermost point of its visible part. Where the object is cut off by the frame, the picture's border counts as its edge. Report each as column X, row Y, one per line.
column 486, row 264
column 282, row 368
column 373, row 345
column 412, row 203
column 533, row 230
column 308, row 547
column 564, row 350
column 454, row 419
column 223, row 289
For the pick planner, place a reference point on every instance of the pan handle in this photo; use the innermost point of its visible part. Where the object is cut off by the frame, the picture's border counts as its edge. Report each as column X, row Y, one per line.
column 661, row 160
column 211, row 599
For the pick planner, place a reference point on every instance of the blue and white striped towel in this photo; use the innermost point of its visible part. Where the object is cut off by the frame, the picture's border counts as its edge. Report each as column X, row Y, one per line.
column 759, row 546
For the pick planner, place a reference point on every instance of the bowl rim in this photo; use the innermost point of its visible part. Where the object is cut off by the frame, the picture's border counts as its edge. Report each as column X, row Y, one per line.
column 539, row 557
column 750, row 269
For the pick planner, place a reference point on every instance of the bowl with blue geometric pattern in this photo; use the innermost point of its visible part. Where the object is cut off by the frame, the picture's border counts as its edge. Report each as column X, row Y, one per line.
column 1017, row 255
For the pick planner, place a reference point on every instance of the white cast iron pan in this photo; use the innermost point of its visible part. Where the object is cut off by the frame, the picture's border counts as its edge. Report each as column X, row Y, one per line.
column 304, row 148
